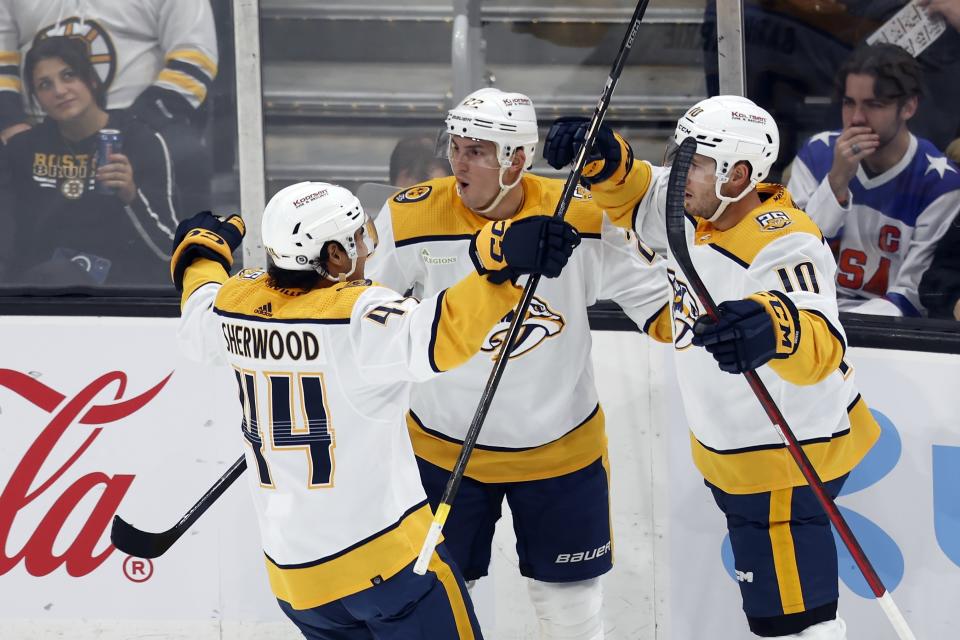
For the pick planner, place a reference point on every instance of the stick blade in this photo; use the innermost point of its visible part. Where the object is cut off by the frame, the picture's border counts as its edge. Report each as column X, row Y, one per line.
column 140, row 544
column 675, row 213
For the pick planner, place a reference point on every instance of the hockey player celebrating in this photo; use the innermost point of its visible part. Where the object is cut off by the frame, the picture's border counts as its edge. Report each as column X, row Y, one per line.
column 768, row 261
column 543, row 445
column 323, row 359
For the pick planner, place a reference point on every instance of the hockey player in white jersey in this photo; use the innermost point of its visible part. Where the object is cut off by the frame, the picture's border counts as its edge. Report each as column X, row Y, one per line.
column 323, row 360
column 770, row 265
column 543, row 445
column 881, row 193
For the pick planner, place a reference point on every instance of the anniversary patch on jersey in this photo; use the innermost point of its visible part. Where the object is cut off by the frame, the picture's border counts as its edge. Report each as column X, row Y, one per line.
column 413, row 194
column 541, row 322
column 686, row 310
column 773, row 220
column 251, row 274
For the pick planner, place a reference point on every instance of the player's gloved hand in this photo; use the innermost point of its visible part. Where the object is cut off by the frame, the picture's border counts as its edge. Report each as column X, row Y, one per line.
column 565, row 138
column 205, row 236
column 750, row 332
column 506, row 249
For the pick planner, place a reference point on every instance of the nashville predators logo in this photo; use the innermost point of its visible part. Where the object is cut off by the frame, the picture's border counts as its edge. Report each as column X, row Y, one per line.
column 685, row 309
column 773, row 220
column 413, row 194
column 540, row 323
column 96, row 39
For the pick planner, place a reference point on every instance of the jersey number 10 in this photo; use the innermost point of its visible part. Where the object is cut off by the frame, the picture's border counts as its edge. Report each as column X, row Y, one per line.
column 314, row 436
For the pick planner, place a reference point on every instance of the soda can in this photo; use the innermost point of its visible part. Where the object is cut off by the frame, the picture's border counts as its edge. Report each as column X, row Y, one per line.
column 108, row 141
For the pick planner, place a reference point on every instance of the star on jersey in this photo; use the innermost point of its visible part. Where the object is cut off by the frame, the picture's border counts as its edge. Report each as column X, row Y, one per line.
column 824, row 137
column 940, row 165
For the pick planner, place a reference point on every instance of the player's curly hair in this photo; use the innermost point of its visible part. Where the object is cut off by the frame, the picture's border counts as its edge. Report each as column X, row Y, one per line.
column 897, row 74
column 73, row 52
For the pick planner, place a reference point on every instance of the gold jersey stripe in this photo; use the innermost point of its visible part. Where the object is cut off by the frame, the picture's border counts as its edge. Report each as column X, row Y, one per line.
column 620, row 194
column 454, row 595
column 183, row 81
column 9, row 57
column 244, row 296
column 202, row 271
column 442, row 215
column 463, row 324
column 749, row 237
column 10, row 83
column 772, row 469
column 819, row 353
column 196, row 58
column 784, row 553
column 580, row 447
column 384, row 556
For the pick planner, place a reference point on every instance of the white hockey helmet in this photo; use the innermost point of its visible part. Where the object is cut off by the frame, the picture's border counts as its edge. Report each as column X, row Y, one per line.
column 731, row 129
column 300, row 219
column 508, row 120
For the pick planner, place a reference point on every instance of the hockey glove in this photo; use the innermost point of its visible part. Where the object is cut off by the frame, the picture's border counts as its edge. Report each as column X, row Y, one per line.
column 505, row 249
column 205, row 236
column 158, row 108
column 750, row 332
column 565, row 138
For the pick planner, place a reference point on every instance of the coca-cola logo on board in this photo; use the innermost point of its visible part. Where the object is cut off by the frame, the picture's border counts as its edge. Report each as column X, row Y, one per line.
column 25, row 483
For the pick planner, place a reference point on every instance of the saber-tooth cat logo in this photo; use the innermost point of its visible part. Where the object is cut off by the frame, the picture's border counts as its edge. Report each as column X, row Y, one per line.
column 540, row 323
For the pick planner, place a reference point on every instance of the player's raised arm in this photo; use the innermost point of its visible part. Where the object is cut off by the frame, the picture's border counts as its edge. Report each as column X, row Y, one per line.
column 203, row 249
column 391, row 333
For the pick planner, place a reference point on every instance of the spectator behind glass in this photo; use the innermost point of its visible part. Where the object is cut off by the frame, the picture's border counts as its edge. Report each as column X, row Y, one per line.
column 885, row 195
column 794, row 47
column 940, row 286
column 64, row 232
column 156, row 58
column 414, row 160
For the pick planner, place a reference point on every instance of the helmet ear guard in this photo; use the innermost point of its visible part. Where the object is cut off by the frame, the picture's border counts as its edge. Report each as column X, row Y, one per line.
column 731, row 129
column 301, row 219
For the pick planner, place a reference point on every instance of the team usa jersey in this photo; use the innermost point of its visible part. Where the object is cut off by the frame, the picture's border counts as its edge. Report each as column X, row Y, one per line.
column 133, row 44
column 545, row 419
column 889, row 228
column 776, row 247
column 324, row 381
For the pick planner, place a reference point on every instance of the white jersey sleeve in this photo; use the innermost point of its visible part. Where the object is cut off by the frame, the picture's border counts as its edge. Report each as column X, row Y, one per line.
column 817, row 199
column 198, row 334
column 386, row 266
column 632, row 275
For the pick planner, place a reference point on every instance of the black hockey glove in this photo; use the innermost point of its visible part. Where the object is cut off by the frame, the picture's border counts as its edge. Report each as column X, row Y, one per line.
column 565, row 138
column 750, row 332
column 158, row 108
column 505, row 249
column 205, row 236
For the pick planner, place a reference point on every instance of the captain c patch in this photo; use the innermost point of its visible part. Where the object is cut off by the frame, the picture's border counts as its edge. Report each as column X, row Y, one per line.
column 413, row 194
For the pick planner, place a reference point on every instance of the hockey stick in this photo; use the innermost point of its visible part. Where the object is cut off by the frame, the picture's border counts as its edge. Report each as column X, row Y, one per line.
column 144, row 544
column 569, row 187
column 677, row 240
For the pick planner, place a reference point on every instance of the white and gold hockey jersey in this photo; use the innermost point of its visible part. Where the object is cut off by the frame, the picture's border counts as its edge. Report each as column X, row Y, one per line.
column 133, row 44
column 324, row 382
column 775, row 247
column 545, row 419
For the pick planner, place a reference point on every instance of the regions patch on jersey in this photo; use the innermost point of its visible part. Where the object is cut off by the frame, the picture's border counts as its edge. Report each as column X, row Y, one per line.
column 773, row 220
column 413, row 194
column 251, row 274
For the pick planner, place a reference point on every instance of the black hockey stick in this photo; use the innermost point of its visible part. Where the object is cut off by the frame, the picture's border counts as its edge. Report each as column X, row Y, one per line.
column 569, row 187
column 144, row 544
column 677, row 240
